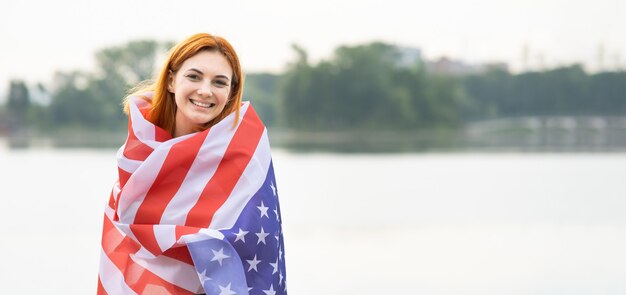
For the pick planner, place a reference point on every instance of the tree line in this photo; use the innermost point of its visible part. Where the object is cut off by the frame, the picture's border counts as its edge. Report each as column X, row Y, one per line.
column 362, row 87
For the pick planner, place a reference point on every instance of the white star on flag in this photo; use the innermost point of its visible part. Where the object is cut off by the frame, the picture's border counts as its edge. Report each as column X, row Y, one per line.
column 273, row 188
column 226, row 290
column 241, row 236
column 275, row 266
column 263, row 210
column 203, row 277
column 276, row 213
column 253, row 263
column 262, row 235
column 219, row 256
column 270, row 291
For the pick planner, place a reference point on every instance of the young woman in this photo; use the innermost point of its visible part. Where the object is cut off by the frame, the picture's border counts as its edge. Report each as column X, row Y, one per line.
column 195, row 208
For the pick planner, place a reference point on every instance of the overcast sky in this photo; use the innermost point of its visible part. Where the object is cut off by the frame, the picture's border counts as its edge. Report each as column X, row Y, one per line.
column 40, row 37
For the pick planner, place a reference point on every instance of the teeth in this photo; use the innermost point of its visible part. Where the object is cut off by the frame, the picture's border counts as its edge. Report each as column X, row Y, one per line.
column 204, row 105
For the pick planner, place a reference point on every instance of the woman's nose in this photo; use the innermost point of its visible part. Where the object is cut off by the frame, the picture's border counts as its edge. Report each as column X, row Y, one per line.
column 205, row 89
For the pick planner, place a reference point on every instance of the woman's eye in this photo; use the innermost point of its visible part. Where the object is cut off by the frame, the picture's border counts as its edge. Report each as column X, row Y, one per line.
column 193, row 77
column 221, row 83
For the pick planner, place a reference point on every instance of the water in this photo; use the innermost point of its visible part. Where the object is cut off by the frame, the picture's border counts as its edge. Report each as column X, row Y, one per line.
column 359, row 224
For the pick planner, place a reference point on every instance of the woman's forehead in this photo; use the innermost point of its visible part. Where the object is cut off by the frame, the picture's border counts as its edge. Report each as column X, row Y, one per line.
column 208, row 62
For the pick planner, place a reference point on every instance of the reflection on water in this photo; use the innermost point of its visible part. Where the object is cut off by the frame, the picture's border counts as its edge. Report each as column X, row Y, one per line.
column 359, row 224
column 525, row 134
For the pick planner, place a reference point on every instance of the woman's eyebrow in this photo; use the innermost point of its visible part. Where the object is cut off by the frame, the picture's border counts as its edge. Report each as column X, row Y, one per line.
column 223, row 76
column 201, row 73
column 196, row 70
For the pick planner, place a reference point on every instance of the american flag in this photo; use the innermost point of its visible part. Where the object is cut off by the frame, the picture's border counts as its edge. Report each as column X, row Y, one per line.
column 193, row 214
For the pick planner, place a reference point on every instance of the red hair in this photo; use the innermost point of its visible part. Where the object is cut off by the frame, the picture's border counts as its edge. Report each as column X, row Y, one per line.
column 163, row 112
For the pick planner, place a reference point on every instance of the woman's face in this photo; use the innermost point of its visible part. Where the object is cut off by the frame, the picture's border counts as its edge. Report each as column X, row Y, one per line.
column 201, row 88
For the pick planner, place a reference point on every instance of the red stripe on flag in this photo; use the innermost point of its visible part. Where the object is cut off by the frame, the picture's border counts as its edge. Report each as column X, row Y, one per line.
column 161, row 135
column 185, row 230
column 113, row 241
column 123, row 176
column 134, row 148
column 236, row 158
column 171, row 176
column 145, row 236
column 141, row 280
column 101, row 290
column 180, row 253
column 112, row 200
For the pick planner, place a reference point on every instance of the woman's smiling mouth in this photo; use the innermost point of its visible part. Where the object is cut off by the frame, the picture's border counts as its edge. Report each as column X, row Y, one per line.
column 202, row 104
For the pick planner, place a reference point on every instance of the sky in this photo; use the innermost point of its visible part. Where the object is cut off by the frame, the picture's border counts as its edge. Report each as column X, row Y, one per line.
column 41, row 37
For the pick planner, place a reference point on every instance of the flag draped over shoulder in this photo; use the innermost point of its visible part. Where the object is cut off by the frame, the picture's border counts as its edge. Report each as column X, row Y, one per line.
column 193, row 214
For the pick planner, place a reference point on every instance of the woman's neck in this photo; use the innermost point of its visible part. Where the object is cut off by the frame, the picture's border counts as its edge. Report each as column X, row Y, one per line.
column 180, row 130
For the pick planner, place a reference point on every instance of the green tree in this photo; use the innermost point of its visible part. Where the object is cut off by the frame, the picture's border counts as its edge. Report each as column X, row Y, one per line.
column 294, row 86
column 487, row 92
column 18, row 104
column 355, row 89
column 262, row 90
column 607, row 93
column 93, row 100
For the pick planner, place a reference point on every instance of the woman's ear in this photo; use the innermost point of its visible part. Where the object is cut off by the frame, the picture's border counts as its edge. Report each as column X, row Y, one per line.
column 170, row 82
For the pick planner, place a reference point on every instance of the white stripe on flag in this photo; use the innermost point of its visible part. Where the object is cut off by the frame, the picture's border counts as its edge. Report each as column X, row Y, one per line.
column 171, row 270
column 138, row 185
column 249, row 183
column 109, row 212
column 142, row 128
column 116, row 191
column 125, row 230
column 201, row 171
column 142, row 179
column 124, row 163
column 201, row 235
column 165, row 235
column 111, row 278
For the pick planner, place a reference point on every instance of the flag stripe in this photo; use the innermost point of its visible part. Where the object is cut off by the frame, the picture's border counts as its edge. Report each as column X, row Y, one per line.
column 165, row 235
column 170, row 177
column 111, row 200
column 137, row 186
column 172, row 270
column 142, row 129
column 120, row 250
column 134, row 148
column 185, row 230
column 112, row 278
column 161, row 135
column 235, row 160
column 179, row 253
column 123, row 176
column 126, row 164
column 139, row 183
column 145, row 236
column 252, row 179
column 201, row 171
column 101, row 290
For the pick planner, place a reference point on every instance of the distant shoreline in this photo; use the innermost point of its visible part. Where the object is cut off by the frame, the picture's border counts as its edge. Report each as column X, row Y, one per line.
column 478, row 137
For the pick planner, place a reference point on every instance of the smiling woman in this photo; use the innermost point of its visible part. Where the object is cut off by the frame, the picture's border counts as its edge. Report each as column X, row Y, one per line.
column 195, row 209
column 201, row 90
column 204, row 69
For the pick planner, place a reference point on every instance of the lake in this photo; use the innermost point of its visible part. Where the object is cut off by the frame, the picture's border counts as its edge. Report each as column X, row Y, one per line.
column 429, row 223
